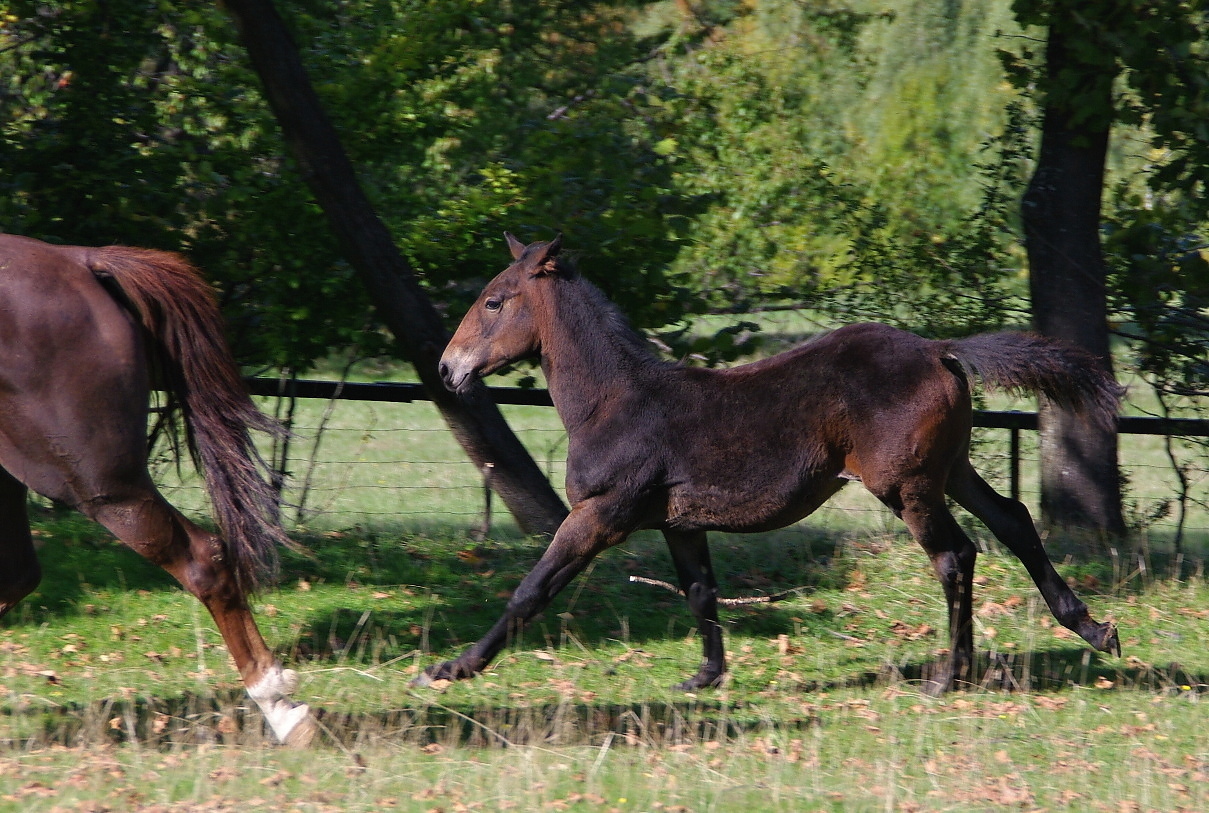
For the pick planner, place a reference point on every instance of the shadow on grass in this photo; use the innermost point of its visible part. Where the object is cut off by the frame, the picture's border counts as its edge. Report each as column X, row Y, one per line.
column 466, row 583
column 226, row 717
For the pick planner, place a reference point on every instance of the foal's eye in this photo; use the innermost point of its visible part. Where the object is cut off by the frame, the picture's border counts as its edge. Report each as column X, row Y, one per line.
column 492, row 304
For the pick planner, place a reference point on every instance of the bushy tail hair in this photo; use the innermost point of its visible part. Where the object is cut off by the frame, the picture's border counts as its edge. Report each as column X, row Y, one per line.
column 1026, row 362
column 178, row 310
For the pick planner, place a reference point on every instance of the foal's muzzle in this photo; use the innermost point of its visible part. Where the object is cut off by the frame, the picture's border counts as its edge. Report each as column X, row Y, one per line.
column 444, row 371
column 456, row 376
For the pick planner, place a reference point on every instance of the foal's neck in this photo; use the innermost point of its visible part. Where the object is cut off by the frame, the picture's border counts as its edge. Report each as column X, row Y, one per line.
column 590, row 354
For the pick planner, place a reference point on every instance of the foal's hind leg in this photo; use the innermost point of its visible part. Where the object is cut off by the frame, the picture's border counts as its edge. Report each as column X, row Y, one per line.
column 1010, row 522
column 21, row 571
column 953, row 556
column 690, row 553
column 142, row 519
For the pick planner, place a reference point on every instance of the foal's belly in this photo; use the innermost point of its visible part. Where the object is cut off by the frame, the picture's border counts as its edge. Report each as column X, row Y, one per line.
column 746, row 508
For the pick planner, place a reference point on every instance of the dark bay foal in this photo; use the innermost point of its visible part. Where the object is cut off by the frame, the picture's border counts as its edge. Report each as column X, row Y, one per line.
column 686, row 450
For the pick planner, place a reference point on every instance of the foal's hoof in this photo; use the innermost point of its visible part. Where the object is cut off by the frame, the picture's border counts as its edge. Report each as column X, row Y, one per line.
column 449, row 670
column 1109, row 641
column 700, row 681
column 1102, row 636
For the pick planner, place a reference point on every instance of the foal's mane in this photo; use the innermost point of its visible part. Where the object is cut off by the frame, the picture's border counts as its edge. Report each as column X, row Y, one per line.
column 599, row 325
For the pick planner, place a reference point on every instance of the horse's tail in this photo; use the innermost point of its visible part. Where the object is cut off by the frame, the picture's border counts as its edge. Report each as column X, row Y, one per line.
column 178, row 309
column 1026, row 362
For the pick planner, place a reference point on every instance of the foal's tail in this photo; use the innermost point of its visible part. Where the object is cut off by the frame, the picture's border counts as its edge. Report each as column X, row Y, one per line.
column 178, row 309
column 1026, row 362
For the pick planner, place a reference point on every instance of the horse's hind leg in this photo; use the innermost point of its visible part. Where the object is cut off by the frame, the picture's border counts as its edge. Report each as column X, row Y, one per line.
column 690, row 553
column 142, row 519
column 21, row 572
column 953, row 556
column 1011, row 523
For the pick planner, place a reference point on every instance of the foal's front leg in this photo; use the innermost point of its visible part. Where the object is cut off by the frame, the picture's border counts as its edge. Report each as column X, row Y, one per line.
column 583, row 534
column 690, row 554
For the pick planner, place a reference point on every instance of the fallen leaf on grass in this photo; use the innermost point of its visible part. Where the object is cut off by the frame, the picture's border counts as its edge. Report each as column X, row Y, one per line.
column 911, row 633
column 990, row 609
column 276, row 779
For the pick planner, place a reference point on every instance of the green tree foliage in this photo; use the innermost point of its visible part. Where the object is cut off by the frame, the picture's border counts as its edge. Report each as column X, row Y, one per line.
column 137, row 122
column 472, row 118
column 700, row 154
column 1157, row 225
column 847, row 158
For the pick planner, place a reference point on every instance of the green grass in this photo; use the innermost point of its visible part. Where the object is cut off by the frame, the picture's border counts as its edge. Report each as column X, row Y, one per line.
column 115, row 685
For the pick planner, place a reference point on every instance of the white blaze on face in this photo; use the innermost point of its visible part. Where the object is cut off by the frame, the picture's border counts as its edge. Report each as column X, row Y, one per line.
column 291, row 722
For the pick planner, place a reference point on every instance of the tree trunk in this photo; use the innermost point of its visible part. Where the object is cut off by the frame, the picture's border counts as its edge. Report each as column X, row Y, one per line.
column 400, row 301
column 1080, row 483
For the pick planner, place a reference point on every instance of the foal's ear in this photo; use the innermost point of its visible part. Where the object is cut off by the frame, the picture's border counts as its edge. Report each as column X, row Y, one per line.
column 515, row 246
column 545, row 259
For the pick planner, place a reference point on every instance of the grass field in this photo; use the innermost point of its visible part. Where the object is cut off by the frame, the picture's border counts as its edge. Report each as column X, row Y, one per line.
column 116, row 687
column 117, row 693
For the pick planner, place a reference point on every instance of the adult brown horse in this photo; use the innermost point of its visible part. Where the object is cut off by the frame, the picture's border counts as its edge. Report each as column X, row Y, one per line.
column 657, row 445
column 82, row 332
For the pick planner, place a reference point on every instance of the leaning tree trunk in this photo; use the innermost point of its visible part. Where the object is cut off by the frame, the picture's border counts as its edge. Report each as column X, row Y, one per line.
column 1080, row 482
column 400, row 301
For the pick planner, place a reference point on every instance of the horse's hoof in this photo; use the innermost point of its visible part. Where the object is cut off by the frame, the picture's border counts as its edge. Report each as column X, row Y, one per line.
column 449, row 670
column 700, row 682
column 303, row 732
column 1110, row 642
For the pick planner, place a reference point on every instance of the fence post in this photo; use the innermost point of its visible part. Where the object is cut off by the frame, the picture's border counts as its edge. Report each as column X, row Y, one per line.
column 487, row 470
column 1015, row 462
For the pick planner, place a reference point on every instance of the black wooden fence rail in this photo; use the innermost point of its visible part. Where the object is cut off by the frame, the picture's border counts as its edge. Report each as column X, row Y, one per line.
column 1013, row 421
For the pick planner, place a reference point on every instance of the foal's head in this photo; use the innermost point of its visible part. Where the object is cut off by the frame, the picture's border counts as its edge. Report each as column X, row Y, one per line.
column 501, row 326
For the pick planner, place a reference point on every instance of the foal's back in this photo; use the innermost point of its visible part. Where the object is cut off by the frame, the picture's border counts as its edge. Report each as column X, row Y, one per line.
column 761, row 445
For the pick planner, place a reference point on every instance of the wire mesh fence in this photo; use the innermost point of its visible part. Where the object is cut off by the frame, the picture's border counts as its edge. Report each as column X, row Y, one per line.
column 394, row 466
